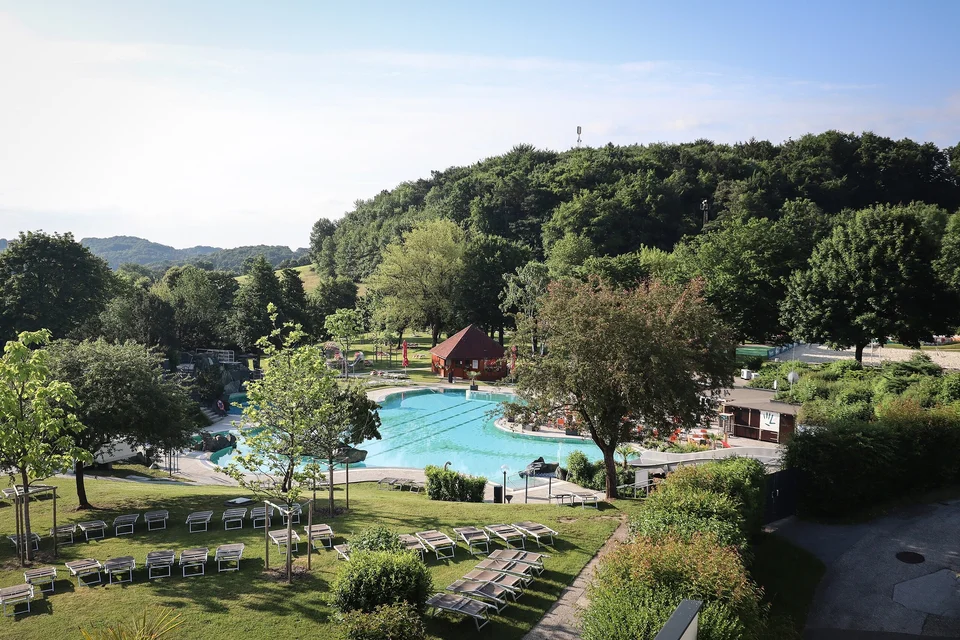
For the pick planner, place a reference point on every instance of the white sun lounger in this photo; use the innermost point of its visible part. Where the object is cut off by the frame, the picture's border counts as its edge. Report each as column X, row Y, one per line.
column 413, row 543
column 474, row 538
column 279, row 537
column 260, row 514
column 462, row 605
column 195, row 560
column 293, row 512
column 417, row 486
column 531, row 558
column 156, row 519
column 63, row 532
column 508, row 533
column 16, row 541
column 488, row 591
column 518, row 569
column 536, row 531
column 41, row 576
column 120, row 566
column 127, row 521
column 586, row 498
column 388, row 483
column 17, row 594
column 319, row 533
column 159, row 564
column 440, row 543
column 198, row 518
column 233, row 518
column 505, row 580
column 83, row 568
column 343, row 551
column 228, row 556
column 93, row 526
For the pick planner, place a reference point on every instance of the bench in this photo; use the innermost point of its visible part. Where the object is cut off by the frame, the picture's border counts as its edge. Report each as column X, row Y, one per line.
column 125, row 522
column 84, row 568
column 194, row 559
column 91, row 527
column 158, row 561
column 41, row 576
column 156, row 519
column 198, row 518
column 17, row 594
column 120, row 566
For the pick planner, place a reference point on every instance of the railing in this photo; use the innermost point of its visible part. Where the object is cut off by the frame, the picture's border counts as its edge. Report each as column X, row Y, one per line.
column 683, row 623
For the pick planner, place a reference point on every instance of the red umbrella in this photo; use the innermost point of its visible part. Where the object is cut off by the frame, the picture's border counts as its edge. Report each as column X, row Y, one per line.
column 513, row 357
column 406, row 363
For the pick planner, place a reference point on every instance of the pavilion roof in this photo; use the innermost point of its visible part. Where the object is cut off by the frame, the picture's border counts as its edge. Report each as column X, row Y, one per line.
column 469, row 344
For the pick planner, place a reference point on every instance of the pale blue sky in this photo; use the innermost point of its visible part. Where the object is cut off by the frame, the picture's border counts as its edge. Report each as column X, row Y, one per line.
column 237, row 123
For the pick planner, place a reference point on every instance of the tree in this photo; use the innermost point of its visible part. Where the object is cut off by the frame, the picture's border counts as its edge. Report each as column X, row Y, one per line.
column 293, row 300
column 50, row 281
column 521, row 298
column 872, row 278
column 617, row 359
column 344, row 326
column 948, row 264
column 251, row 320
column 486, row 261
column 419, row 276
column 322, row 246
column 630, row 269
column 37, row 423
column 195, row 299
column 568, row 253
column 122, row 395
column 354, row 419
column 329, row 295
column 140, row 315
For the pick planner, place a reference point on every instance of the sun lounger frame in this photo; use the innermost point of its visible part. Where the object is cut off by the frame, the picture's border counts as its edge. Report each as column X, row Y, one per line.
column 83, row 568
column 115, row 566
column 262, row 515
column 536, row 531
column 343, row 551
column 123, row 522
column 586, row 498
column 322, row 533
column 159, row 560
column 235, row 516
column 438, row 545
column 228, row 556
column 469, row 536
column 508, row 567
column 63, row 531
column 16, row 540
column 436, row 601
column 194, row 559
column 413, row 543
column 532, row 558
column 152, row 517
column 93, row 525
column 197, row 518
column 482, row 593
column 41, row 576
column 16, row 595
column 293, row 512
column 503, row 531
column 389, row 483
column 279, row 538
column 516, row 583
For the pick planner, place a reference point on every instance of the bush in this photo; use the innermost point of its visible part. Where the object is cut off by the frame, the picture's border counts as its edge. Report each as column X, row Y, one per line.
column 451, row 486
column 374, row 578
column 386, row 622
column 377, row 538
column 593, row 475
column 742, row 479
column 578, row 467
column 950, row 390
column 638, row 585
column 658, row 524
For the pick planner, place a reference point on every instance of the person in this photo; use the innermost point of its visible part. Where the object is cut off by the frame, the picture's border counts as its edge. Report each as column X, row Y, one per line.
column 450, row 376
column 221, row 408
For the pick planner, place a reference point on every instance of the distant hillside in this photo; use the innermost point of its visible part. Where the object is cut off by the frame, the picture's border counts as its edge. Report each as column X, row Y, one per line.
column 120, row 249
column 117, row 250
column 3, row 244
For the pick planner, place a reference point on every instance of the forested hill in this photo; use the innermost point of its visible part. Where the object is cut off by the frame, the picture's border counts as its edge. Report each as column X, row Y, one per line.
column 118, row 250
column 621, row 197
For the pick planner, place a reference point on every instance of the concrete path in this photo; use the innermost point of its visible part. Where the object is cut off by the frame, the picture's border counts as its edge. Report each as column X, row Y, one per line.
column 948, row 359
column 867, row 590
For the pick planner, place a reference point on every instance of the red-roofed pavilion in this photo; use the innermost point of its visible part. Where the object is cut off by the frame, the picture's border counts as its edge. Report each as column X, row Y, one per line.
column 469, row 350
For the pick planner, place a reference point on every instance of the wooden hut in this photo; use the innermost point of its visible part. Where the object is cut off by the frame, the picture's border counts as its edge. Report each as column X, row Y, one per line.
column 755, row 414
column 469, row 350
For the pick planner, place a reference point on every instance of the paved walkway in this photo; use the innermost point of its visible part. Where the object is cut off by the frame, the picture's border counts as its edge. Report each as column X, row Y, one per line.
column 822, row 353
column 867, row 592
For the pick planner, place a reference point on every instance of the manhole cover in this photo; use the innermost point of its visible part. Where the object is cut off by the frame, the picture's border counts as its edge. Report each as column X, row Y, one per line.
column 910, row 557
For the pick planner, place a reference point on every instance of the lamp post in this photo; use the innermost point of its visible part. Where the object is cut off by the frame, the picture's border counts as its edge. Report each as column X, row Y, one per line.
column 705, row 207
column 504, row 468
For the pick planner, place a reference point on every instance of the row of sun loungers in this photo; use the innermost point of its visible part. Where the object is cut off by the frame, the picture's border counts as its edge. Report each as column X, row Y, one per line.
column 401, row 484
column 495, row 582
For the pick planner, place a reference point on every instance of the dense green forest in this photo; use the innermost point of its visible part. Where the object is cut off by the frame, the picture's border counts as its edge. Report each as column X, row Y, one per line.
column 118, row 250
column 618, row 198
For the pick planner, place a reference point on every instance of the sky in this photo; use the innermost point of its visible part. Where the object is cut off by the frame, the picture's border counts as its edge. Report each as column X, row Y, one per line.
column 227, row 122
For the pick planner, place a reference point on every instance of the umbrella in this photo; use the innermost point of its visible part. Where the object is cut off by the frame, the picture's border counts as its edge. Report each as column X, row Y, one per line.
column 513, row 357
column 406, row 363
column 347, row 456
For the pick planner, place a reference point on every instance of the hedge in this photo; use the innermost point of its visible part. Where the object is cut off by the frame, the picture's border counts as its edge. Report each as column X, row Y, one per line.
column 387, row 622
column 451, row 486
column 742, row 479
column 375, row 578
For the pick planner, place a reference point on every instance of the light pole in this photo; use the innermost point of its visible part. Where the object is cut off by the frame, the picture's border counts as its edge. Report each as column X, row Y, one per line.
column 504, row 468
column 705, row 207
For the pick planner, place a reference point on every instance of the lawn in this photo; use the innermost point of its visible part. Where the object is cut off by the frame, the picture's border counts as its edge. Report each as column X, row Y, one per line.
column 753, row 350
column 789, row 576
column 255, row 603
column 310, row 277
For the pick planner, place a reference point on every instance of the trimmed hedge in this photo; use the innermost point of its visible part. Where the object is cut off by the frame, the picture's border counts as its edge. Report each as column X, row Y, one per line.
column 375, row 578
column 452, row 486
column 387, row 622
column 658, row 524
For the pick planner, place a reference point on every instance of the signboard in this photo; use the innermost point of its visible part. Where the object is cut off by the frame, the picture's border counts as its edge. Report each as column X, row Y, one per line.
column 770, row 421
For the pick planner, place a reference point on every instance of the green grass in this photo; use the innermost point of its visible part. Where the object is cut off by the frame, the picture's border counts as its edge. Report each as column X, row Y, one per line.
column 789, row 576
column 753, row 350
column 124, row 470
column 255, row 603
column 310, row 277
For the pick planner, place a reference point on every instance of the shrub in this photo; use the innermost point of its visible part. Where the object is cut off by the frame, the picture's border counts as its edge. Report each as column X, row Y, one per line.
column 854, row 393
column 452, row 486
column 742, row 479
column 578, row 467
column 950, row 390
column 638, row 585
column 374, row 578
column 387, row 622
column 696, row 502
column 658, row 524
column 377, row 538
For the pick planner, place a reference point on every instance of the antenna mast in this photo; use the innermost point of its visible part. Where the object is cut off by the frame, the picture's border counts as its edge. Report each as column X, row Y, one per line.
column 579, row 131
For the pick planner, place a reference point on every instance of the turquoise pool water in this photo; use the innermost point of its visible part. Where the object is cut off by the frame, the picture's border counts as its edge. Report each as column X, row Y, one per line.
column 431, row 427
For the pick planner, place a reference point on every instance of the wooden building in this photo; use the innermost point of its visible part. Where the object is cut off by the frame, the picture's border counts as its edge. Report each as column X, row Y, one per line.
column 754, row 414
column 469, row 350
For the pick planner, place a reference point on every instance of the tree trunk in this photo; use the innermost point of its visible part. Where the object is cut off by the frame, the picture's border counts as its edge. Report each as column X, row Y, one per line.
column 610, row 464
column 25, row 540
column 859, row 353
column 400, row 339
column 331, row 489
column 500, row 335
column 435, row 334
column 81, row 488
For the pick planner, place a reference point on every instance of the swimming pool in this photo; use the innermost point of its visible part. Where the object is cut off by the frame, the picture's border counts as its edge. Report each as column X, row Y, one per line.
column 429, row 426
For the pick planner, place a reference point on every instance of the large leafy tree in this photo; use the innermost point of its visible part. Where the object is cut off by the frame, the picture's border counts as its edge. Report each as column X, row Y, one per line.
column 419, row 276
column 140, row 315
column 617, row 359
column 871, row 279
column 293, row 304
column 37, row 419
column 329, row 295
column 521, row 297
column 322, row 247
column 251, row 320
column 948, row 264
column 196, row 302
column 344, row 326
column 50, row 281
column 487, row 259
column 122, row 395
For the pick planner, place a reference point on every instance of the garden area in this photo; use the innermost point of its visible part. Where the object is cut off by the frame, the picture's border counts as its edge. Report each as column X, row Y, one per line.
column 261, row 603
